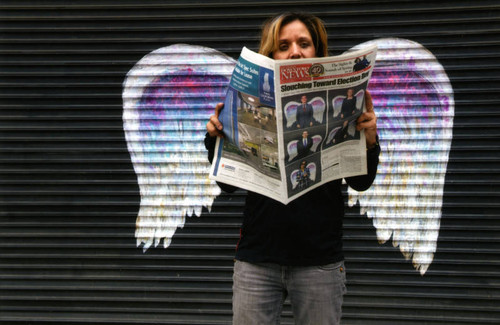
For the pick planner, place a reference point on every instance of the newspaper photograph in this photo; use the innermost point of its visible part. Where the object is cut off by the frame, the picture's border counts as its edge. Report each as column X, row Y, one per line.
column 290, row 125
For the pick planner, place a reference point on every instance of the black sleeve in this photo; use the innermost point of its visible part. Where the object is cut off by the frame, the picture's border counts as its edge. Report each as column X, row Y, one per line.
column 210, row 146
column 363, row 182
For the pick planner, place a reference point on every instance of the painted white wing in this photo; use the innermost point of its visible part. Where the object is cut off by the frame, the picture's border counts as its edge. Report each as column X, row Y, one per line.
column 351, row 128
column 312, row 170
column 319, row 107
column 413, row 100
column 167, row 98
column 359, row 99
column 292, row 149
column 290, row 111
column 316, row 142
column 337, row 105
column 331, row 135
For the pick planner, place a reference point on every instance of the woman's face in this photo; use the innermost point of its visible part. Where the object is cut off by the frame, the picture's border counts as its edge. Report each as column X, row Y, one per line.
column 295, row 42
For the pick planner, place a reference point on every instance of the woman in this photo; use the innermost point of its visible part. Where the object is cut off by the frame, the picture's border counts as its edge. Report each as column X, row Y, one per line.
column 294, row 250
column 303, row 176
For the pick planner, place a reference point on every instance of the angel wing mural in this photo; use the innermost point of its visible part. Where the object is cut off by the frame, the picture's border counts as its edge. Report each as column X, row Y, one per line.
column 167, row 98
column 415, row 109
column 170, row 93
column 332, row 134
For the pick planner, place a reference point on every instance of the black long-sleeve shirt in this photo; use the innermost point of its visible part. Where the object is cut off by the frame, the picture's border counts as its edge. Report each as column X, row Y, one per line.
column 306, row 231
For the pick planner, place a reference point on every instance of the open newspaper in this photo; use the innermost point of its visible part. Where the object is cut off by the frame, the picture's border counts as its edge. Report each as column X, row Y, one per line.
column 290, row 125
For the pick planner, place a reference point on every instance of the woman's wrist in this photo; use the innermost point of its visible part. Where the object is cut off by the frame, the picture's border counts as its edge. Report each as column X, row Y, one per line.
column 374, row 144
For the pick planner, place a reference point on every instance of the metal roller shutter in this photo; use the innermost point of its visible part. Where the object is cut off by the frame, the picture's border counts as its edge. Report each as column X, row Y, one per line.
column 69, row 195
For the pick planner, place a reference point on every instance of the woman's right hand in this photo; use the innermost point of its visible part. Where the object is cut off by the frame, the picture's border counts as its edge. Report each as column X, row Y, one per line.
column 214, row 126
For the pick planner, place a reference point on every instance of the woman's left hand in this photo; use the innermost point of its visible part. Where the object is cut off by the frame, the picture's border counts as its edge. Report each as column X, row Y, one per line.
column 368, row 122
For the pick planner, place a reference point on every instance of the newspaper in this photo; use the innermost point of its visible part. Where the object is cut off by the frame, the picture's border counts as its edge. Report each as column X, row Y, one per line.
column 290, row 125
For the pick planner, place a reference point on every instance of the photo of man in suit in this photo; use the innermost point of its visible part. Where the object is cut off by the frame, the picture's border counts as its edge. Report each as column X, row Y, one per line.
column 304, row 145
column 304, row 114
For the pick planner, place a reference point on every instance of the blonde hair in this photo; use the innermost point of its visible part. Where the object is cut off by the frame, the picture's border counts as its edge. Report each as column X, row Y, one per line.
column 269, row 42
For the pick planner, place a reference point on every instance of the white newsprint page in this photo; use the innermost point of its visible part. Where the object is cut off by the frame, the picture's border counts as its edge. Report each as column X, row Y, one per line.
column 290, row 125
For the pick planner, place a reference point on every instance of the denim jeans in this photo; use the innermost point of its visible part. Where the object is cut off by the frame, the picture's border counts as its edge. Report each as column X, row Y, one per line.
column 316, row 293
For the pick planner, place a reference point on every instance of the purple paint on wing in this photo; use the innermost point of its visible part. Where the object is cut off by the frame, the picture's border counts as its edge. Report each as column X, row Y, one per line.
column 416, row 98
column 184, row 95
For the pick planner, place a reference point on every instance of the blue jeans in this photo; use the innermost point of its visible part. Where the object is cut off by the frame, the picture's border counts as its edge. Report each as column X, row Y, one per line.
column 316, row 293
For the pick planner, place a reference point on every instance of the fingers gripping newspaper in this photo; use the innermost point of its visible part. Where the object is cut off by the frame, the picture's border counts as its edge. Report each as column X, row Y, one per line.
column 290, row 125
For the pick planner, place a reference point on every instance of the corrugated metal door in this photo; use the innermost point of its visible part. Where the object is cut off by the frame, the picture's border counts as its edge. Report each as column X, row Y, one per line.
column 70, row 198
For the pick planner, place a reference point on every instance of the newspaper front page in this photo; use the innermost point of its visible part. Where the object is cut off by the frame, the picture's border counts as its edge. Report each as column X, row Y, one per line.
column 290, row 125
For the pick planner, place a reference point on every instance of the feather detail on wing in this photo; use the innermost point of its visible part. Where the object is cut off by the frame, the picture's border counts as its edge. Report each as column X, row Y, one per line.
column 413, row 100
column 316, row 142
column 167, row 98
column 290, row 111
column 292, row 149
column 331, row 135
column 359, row 99
column 319, row 107
column 337, row 105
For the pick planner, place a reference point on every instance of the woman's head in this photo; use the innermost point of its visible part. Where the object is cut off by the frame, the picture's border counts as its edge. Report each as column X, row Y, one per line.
column 284, row 32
